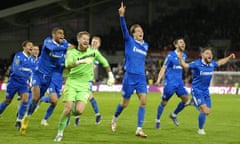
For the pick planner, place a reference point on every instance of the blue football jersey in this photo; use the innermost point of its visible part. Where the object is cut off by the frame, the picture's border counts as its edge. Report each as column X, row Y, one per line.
column 57, row 74
column 202, row 73
column 21, row 67
column 135, row 52
column 50, row 55
column 174, row 71
column 57, row 79
column 34, row 62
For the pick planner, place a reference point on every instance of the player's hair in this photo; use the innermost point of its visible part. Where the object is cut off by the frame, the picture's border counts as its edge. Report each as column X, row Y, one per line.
column 24, row 43
column 36, row 46
column 81, row 33
column 56, row 29
column 177, row 39
column 206, row 48
column 98, row 38
column 133, row 27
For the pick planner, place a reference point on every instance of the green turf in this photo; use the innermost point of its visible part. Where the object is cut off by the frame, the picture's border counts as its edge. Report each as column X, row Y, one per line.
column 222, row 125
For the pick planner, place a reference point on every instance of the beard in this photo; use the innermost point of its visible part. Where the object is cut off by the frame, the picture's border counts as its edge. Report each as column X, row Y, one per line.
column 181, row 49
column 207, row 60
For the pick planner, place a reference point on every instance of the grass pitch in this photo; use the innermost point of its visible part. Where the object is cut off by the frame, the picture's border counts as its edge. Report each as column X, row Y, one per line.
column 222, row 125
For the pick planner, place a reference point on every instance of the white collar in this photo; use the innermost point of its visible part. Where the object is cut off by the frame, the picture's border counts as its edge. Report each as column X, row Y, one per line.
column 25, row 54
column 204, row 62
column 55, row 42
column 139, row 42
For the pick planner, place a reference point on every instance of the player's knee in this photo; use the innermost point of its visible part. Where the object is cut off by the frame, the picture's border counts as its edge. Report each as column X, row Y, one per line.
column 66, row 113
column 35, row 99
column 184, row 99
column 79, row 112
column 54, row 104
column 54, row 101
column 164, row 103
column 8, row 101
column 206, row 111
column 124, row 104
column 143, row 103
column 25, row 99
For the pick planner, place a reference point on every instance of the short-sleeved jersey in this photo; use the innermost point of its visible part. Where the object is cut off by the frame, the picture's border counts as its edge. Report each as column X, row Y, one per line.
column 135, row 52
column 83, row 72
column 50, row 54
column 173, row 73
column 202, row 74
column 21, row 67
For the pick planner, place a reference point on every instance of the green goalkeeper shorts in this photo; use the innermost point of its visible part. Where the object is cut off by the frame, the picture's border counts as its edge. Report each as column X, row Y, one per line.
column 71, row 93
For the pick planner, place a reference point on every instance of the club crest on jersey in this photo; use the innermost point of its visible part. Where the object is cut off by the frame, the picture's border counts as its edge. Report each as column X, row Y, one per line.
column 49, row 41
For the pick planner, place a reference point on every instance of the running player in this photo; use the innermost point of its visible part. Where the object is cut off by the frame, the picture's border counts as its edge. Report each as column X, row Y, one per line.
column 53, row 49
column 80, row 61
column 18, row 82
column 202, row 74
column 173, row 82
column 54, row 91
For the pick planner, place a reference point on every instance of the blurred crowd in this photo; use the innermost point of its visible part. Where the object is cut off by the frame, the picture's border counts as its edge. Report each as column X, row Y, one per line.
column 4, row 69
column 197, row 25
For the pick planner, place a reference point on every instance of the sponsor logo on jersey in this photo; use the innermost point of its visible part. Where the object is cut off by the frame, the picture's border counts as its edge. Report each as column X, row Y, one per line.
column 177, row 67
column 137, row 50
column 205, row 73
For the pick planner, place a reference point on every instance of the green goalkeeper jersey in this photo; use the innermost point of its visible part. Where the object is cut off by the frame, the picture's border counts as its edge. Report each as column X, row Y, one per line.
column 83, row 72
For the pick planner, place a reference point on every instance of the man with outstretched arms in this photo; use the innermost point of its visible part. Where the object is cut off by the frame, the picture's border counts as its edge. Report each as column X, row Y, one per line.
column 203, row 69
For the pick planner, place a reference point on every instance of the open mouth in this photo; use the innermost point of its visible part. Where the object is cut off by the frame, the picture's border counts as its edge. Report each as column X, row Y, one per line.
column 85, row 44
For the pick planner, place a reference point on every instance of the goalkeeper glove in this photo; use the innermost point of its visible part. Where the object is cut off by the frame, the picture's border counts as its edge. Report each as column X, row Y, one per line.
column 111, row 79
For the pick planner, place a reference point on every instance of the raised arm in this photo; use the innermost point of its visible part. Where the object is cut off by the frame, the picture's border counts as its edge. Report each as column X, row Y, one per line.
column 49, row 44
column 123, row 24
column 182, row 62
column 226, row 59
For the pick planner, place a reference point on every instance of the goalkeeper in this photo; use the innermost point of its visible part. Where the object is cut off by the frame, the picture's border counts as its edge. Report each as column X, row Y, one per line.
column 95, row 44
column 80, row 61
